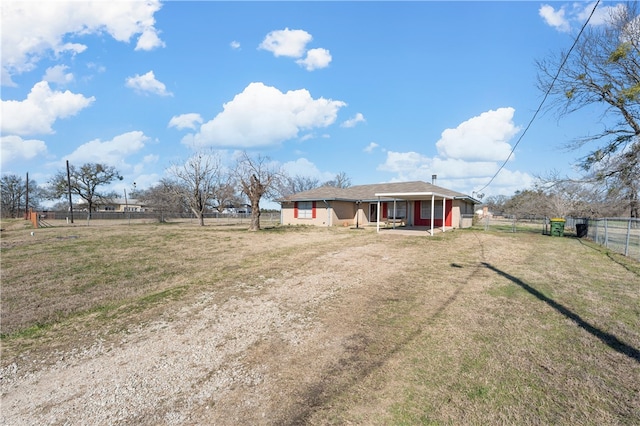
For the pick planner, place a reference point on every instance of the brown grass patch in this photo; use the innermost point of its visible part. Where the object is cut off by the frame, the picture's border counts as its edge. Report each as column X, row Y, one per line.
column 302, row 325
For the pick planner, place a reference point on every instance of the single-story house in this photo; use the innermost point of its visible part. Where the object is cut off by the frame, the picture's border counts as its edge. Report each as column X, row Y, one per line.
column 236, row 209
column 116, row 205
column 411, row 204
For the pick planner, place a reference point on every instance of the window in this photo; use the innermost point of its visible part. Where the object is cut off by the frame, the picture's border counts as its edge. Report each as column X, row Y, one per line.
column 401, row 210
column 305, row 210
column 425, row 209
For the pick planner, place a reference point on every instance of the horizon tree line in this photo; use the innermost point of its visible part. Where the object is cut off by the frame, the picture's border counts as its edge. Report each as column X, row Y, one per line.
column 199, row 185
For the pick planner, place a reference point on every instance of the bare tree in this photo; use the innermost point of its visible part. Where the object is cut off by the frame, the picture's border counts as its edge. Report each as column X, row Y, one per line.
column 224, row 194
column 164, row 199
column 196, row 181
column 257, row 178
column 294, row 184
column 13, row 189
column 604, row 70
column 342, row 180
column 565, row 200
column 527, row 204
column 587, row 198
column 495, row 203
column 84, row 182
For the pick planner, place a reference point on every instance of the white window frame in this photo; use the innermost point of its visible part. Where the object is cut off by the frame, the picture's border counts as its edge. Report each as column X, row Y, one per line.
column 425, row 210
column 305, row 209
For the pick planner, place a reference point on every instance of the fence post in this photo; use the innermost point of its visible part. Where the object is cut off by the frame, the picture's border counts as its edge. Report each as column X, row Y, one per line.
column 606, row 233
column 33, row 217
column 626, row 245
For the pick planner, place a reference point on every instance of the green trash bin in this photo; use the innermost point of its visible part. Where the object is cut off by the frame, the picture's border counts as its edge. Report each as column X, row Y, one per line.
column 557, row 227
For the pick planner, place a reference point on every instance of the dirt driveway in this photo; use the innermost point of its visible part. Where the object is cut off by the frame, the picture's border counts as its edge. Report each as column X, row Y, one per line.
column 272, row 347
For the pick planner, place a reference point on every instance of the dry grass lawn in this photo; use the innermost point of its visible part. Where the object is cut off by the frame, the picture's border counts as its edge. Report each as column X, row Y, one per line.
column 179, row 324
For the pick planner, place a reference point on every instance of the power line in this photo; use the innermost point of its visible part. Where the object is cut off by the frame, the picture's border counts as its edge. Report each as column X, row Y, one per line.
column 546, row 95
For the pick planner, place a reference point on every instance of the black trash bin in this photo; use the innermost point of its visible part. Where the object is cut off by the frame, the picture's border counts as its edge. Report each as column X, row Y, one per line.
column 582, row 229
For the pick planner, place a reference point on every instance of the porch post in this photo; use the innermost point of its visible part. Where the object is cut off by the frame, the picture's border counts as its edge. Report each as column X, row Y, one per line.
column 378, row 216
column 444, row 202
column 433, row 211
column 394, row 214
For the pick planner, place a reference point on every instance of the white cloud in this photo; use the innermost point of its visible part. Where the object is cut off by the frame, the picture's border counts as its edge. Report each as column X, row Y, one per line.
column 358, row 118
column 15, row 148
column 507, row 182
column 185, row 121
column 235, row 45
column 601, row 16
column 291, row 43
column 468, row 156
column 262, row 115
column 149, row 40
column 403, row 162
column 554, row 18
column 151, row 159
column 143, row 181
column 57, row 74
column 32, row 30
column 304, row 167
column 112, row 152
column 97, row 67
column 315, row 59
column 574, row 15
column 147, row 84
column 43, row 106
column 482, row 138
column 455, row 174
column 369, row 148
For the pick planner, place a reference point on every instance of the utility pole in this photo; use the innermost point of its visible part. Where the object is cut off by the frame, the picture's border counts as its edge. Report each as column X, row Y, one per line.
column 69, row 191
column 26, row 201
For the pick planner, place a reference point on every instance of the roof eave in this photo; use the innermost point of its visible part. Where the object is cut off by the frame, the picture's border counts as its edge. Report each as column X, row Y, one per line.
column 413, row 195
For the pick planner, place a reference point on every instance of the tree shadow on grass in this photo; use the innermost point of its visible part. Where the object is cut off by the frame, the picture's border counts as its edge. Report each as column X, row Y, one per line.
column 609, row 339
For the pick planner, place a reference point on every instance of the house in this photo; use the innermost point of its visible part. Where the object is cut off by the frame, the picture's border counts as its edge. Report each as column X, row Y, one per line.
column 412, row 204
column 116, row 205
column 236, row 209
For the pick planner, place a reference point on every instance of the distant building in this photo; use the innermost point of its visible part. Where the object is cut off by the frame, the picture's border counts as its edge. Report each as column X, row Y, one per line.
column 116, row 205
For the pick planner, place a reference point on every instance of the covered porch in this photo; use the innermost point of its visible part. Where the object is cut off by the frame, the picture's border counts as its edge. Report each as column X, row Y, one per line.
column 424, row 210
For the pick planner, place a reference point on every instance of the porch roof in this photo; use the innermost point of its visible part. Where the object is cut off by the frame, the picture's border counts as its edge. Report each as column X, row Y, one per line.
column 414, row 195
column 415, row 190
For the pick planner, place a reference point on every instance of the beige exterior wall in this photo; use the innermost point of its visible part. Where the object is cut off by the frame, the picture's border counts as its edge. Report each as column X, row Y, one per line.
column 343, row 213
column 331, row 213
column 288, row 218
column 463, row 209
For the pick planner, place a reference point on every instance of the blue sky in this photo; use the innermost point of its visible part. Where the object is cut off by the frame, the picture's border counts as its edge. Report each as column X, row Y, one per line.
column 384, row 91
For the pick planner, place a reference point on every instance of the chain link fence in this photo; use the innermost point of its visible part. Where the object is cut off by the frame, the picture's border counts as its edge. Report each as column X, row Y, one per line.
column 621, row 235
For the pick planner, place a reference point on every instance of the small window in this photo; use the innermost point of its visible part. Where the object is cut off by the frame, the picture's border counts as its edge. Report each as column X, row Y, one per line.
column 305, row 209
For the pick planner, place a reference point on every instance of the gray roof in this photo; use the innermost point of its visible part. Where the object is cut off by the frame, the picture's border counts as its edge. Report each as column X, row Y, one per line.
column 368, row 192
